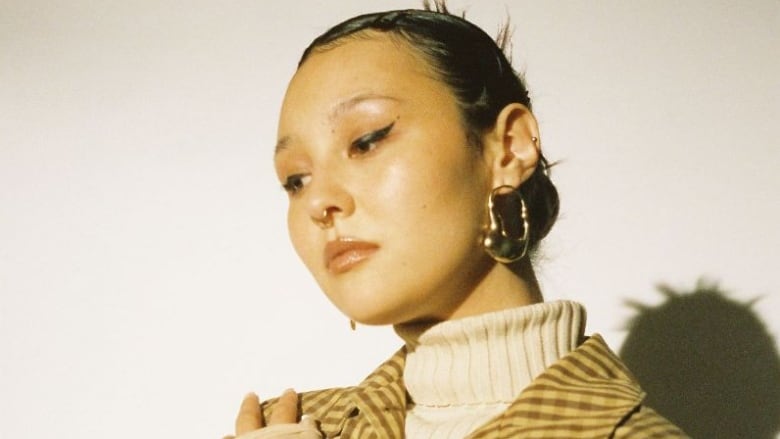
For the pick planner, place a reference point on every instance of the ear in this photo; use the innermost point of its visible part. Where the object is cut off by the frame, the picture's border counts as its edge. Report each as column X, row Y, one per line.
column 511, row 147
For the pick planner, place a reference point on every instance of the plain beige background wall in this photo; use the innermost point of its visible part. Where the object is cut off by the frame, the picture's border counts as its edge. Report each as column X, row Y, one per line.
column 146, row 280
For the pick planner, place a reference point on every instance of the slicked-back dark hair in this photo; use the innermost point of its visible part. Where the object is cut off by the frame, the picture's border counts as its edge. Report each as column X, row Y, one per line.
column 477, row 71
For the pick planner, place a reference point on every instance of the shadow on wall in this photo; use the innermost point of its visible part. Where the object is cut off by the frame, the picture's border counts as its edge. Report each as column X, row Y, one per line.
column 707, row 363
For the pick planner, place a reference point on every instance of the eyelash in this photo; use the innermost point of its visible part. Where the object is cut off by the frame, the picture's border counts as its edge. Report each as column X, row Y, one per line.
column 367, row 143
column 293, row 184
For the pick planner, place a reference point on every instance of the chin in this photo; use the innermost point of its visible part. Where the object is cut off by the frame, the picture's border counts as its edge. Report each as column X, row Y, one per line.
column 372, row 297
column 370, row 309
column 370, row 313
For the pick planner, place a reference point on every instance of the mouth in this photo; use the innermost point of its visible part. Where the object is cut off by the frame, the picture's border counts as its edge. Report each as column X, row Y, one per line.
column 343, row 254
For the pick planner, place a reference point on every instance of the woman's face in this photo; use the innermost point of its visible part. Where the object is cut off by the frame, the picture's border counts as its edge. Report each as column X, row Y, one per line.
column 386, row 197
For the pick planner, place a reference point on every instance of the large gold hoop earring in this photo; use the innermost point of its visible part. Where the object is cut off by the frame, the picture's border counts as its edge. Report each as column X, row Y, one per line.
column 498, row 244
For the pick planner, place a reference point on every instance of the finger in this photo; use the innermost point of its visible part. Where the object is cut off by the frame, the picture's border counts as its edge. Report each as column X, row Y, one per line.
column 308, row 422
column 250, row 417
column 286, row 409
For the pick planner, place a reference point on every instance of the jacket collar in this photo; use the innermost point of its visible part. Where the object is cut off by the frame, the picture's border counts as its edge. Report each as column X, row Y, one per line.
column 378, row 403
column 590, row 386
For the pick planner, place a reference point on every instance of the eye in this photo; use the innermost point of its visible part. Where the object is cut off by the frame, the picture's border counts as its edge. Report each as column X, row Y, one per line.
column 367, row 143
column 295, row 183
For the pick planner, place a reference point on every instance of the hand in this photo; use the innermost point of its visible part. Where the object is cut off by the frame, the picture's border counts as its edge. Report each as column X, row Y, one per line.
column 250, row 415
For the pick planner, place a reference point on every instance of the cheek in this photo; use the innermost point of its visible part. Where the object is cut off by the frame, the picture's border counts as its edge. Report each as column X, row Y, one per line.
column 297, row 229
column 398, row 197
column 438, row 172
column 429, row 196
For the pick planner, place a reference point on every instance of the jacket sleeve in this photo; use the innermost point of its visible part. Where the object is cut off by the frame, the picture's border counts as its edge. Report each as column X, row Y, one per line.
column 284, row 431
column 645, row 422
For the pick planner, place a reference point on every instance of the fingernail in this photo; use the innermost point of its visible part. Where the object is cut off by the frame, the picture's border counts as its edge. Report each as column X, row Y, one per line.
column 308, row 421
column 289, row 391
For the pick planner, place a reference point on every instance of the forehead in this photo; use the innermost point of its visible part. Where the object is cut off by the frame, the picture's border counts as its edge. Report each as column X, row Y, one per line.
column 367, row 65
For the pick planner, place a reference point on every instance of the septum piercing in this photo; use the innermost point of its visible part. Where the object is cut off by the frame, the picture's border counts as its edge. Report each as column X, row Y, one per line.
column 324, row 221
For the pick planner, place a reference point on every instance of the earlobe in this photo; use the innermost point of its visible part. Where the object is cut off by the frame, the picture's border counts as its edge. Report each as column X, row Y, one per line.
column 513, row 146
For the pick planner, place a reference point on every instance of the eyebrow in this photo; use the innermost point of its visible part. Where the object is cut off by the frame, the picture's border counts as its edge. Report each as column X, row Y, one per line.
column 281, row 144
column 337, row 111
column 352, row 102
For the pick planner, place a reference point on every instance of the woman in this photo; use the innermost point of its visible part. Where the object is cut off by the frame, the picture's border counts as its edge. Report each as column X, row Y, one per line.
column 417, row 189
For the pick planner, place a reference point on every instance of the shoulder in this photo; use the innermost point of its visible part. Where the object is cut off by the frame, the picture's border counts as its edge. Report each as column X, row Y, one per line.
column 641, row 420
column 595, row 360
column 587, row 393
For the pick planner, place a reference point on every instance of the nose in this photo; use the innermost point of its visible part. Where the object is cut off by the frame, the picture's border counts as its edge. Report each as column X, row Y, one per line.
column 329, row 201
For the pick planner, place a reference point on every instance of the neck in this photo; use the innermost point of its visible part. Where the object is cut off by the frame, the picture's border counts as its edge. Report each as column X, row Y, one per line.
column 502, row 287
column 524, row 270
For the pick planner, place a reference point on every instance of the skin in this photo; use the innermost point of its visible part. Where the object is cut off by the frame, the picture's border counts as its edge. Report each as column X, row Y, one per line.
column 411, row 185
column 250, row 416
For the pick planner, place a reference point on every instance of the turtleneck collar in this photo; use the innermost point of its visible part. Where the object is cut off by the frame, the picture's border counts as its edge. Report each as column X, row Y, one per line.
column 488, row 358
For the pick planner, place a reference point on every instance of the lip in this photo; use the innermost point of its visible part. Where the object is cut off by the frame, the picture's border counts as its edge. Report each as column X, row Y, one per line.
column 343, row 254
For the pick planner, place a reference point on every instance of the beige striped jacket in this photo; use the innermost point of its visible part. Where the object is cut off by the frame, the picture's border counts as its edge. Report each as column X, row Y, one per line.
column 586, row 394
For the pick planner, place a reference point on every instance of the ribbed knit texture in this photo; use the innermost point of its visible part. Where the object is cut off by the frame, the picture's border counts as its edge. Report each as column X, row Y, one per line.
column 461, row 373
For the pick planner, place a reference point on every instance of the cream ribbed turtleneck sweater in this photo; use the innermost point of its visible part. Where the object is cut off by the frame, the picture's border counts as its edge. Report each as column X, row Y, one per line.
column 461, row 373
